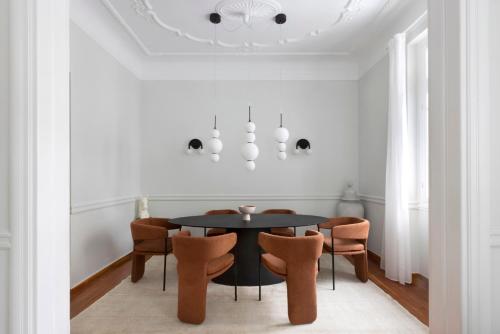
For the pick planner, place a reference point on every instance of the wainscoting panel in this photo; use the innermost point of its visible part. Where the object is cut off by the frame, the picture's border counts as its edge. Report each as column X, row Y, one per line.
column 4, row 283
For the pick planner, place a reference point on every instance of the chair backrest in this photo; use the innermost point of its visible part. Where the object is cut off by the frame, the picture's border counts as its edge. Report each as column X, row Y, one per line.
column 348, row 227
column 293, row 250
column 147, row 229
column 279, row 212
column 191, row 250
column 222, row 212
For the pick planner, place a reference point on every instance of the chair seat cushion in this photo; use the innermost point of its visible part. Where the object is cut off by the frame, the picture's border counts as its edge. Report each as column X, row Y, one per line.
column 283, row 231
column 153, row 246
column 344, row 245
column 274, row 264
column 220, row 264
column 216, row 231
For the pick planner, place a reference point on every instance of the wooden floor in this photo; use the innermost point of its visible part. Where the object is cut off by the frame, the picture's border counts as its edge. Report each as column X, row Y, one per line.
column 414, row 297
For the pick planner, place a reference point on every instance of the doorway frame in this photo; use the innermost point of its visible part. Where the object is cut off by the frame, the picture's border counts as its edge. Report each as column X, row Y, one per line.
column 40, row 166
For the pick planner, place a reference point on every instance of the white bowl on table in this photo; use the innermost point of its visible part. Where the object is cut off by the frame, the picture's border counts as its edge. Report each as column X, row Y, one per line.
column 246, row 210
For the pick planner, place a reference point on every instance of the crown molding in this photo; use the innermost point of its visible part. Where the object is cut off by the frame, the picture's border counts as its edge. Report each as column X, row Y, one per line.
column 145, row 9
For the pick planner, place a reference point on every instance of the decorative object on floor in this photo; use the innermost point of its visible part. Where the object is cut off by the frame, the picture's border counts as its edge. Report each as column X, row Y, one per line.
column 150, row 237
column 348, row 236
column 350, row 205
column 246, row 210
column 294, row 259
column 195, row 145
column 283, row 231
column 303, row 145
column 198, row 261
column 281, row 135
column 217, row 230
column 143, row 208
column 250, row 151
column 214, row 143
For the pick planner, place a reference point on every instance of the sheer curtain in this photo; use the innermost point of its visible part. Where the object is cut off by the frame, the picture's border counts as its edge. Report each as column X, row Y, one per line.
column 396, row 249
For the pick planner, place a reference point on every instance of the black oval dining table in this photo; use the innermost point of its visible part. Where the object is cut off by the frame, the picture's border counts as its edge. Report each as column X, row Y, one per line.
column 247, row 251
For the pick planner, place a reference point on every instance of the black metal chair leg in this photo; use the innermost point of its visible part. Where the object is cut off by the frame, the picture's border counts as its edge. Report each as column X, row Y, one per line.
column 319, row 266
column 260, row 288
column 294, row 231
column 164, row 270
column 333, row 266
column 205, row 231
column 235, row 271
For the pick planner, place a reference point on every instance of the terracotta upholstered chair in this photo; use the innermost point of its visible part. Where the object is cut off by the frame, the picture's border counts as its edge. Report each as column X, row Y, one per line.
column 283, row 231
column 295, row 260
column 349, row 236
column 150, row 236
column 200, row 260
column 218, row 231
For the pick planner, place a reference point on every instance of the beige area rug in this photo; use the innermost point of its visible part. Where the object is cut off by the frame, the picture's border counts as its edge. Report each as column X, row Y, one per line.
column 143, row 307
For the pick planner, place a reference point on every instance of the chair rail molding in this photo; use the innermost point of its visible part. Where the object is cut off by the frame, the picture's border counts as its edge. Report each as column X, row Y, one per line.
column 5, row 241
column 102, row 204
column 39, row 166
column 241, row 197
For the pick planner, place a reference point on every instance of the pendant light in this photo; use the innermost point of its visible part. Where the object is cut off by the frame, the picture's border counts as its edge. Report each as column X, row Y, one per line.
column 250, row 151
column 281, row 134
column 215, row 144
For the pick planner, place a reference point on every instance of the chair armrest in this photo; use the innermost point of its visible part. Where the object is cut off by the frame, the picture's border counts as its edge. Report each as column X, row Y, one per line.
column 147, row 232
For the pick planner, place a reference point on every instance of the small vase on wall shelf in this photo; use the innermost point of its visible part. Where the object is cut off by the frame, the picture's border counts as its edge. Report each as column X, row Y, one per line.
column 350, row 204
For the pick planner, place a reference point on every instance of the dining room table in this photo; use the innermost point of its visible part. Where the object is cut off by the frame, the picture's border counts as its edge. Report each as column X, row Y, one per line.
column 247, row 251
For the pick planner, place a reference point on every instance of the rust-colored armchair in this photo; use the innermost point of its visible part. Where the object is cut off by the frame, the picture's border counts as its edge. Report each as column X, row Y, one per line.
column 150, row 236
column 349, row 236
column 198, row 261
column 283, row 231
column 295, row 260
column 218, row 231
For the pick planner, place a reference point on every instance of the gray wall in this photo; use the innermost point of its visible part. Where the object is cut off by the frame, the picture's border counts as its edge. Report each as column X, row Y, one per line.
column 4, row 160
column 324, row 112
column 105, row 155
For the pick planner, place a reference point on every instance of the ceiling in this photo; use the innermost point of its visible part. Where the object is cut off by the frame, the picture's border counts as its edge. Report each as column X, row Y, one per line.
column 315, row 27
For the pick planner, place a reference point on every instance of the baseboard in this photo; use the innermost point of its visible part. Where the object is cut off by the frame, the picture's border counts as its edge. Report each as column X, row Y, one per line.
column 91, row 279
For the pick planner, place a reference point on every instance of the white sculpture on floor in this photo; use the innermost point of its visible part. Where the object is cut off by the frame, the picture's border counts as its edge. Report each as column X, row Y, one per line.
column 143, row 208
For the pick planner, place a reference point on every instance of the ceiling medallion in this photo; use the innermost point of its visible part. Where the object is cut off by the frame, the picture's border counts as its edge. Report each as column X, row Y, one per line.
column 246, row 10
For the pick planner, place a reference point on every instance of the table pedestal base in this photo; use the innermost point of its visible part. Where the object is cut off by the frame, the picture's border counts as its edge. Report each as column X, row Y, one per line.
column 247, row 261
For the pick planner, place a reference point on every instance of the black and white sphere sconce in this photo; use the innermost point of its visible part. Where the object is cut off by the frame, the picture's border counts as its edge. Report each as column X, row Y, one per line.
column 250, row 151
column 214, row 143
column 281, row 135
column 195, row 145
column 303, row 145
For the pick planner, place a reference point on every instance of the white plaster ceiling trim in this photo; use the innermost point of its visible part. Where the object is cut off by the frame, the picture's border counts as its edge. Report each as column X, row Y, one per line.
column 146, row 10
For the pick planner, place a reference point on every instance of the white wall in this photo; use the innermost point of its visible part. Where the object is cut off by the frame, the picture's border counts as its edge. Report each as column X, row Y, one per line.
column 4, row 160
column 373, row 104
column 495, row 161
column 105, row 156
column 324, row 112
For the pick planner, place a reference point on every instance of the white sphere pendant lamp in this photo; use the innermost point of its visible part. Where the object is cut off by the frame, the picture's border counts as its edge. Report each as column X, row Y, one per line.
column 215, row 144
column 281, row 135
column 250, row 151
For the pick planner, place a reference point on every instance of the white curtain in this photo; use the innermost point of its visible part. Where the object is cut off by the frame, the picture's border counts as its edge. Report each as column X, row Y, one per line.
column 396, row 249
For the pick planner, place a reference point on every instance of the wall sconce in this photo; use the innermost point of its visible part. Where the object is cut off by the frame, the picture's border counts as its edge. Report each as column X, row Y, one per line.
column 303, row 145
column 195, row 145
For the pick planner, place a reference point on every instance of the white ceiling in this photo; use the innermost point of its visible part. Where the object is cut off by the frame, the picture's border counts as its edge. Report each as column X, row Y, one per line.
column 173, row 39
column 167, row 27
